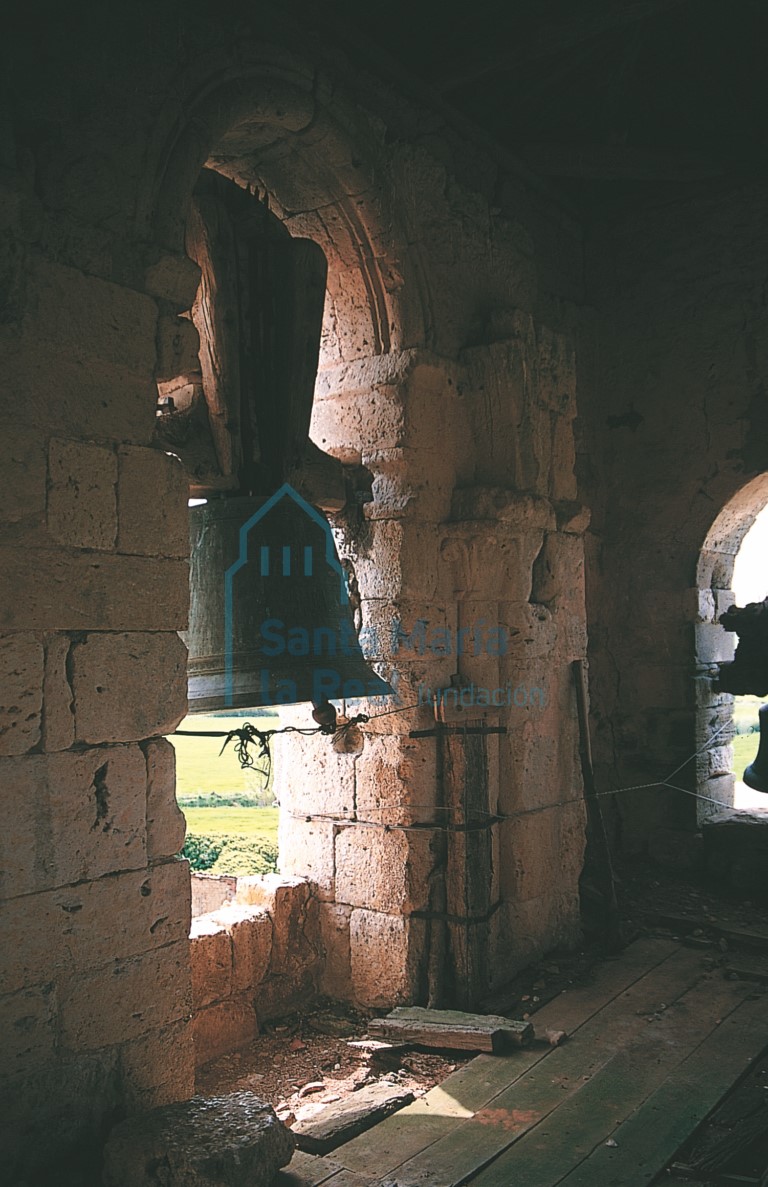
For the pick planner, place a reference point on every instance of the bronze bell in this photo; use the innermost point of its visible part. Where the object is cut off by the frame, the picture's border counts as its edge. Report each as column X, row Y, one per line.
column 270, row 620
column 756, row 774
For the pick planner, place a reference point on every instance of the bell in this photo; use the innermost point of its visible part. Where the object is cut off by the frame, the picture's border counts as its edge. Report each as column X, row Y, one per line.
column 270, row 619
column 756, row 774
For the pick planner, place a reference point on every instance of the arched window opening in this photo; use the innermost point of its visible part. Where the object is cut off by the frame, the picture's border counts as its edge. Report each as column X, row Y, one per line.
column 239, row 416
column 729, row 572
column 750, row 584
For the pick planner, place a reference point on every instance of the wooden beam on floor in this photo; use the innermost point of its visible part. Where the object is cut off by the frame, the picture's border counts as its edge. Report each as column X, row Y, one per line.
column 434, row 1140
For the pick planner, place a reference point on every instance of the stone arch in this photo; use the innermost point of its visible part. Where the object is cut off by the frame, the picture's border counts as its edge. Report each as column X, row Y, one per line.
column 714, row 574
column 321, row 160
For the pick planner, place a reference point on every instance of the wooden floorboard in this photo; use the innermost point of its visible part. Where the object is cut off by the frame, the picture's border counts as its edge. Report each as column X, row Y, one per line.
column 547, row 1154
column 516, row 1097
column 420, row 1125
column 649, row 1138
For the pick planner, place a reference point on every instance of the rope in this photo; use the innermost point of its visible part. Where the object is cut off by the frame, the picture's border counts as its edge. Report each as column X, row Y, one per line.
column 249, row 735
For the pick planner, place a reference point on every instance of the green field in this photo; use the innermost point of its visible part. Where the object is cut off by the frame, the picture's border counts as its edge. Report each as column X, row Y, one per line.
column 247, row 822
column 202, row 769
column 745, row 718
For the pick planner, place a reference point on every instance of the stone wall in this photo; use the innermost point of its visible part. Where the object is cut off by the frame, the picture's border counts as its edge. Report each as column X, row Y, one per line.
column 256, row 957
column 449, row 371
column 673, row 358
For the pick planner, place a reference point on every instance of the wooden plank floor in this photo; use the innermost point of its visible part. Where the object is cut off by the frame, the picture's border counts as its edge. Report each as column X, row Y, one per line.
column 655, row 1042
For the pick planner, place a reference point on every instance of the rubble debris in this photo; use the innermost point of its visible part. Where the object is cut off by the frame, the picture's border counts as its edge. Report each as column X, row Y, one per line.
column 338, row 1123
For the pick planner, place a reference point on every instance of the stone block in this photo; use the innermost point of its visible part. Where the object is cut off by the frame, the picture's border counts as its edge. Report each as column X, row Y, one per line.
column 295, row 938
column 478, row 557
column 63, row 932
column 724, row 599
column 71, row 816
column 396, row 779
column 211, row 961
column 249, row 1142
column 56, row 590
column 534, row 845
column 713, row 644
column 21, row 692
column 335, row 973
column 158, row 1067
column 153, row 490
column 50, row 1111
column 401, row 561
column 210, row 892
column 90, row 319
column 173, row 278
column 128, row 686
column 46, row 385
column 58, row 718
column 126, row 999
column 178, row 343
column 311, row 778
column 223, row 1027
column 383, row 870
column 166, row 825
column 251, row 934
column 385, row 951
column 82, row 499
column 23, row 474
column 28, row 1029
column 306, row 850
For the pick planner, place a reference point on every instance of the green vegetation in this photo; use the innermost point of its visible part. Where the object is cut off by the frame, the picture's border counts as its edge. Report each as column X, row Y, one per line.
column 744, row 751
column 231, row 820
column 246, row 822
column 225, row 853
column 746, row 721
column 202, row 770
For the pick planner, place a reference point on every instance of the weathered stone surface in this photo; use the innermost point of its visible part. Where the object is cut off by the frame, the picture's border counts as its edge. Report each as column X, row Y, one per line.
column 153, row 489
column 58, row 718
column 28, row 1028
column 396, row 779
column 166, row 825
column 306, row 850
column 226, row 1141
column 82, row 500
column 22, row 474
column 211, row 960
column 21, row 692
column 224, row 1026
column 383, row 870
column 128, row 686
column 173, row 278
column 338, row 1123
column 90, row 319
column 251, row 932
column 158, row 1067
column 54, row 589
column 71, row 816
column 44, row 384
column 127, row 999
column 535, row 844
column 178, row 344
column 58, row 933
column 384, row 954
column 335, row 973
column 310, row 777
column 210, row 892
